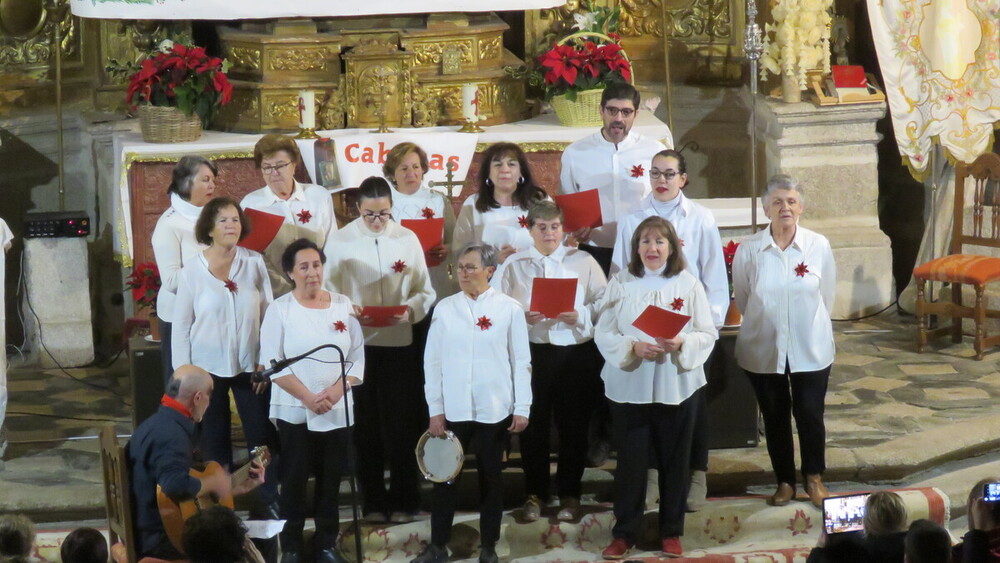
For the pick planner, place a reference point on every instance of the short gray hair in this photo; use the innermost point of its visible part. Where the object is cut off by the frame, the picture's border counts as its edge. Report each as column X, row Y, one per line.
column 782, row 182
column 487, row 253
column 184, row 172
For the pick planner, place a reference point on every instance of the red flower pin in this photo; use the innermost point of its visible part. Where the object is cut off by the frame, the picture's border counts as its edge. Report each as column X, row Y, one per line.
column 484, row 323
column 304, row 216
column 339, row 326
column 399, row 266
column 231, row 286
column 523, row 221
column 638, row 171
column 676, row 304
column 801, row 270
column 427, row 212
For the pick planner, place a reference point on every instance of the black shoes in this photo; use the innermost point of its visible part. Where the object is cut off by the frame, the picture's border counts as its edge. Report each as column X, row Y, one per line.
column 488, row 555
column 432, row 554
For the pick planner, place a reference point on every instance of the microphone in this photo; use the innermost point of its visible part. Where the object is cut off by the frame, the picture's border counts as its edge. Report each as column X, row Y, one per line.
column 265, row 375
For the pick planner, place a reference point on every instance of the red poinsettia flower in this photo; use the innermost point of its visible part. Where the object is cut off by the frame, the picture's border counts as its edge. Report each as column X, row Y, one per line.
column 638, row 171
column 523, row 221
column 484, row 323
column 561, row 63
column 801, row 270
column 427, row 212
column 304, row 216
column 339, row 326
column 677, row 304
column 399, row 266
column 729, row 252
column 231, row 286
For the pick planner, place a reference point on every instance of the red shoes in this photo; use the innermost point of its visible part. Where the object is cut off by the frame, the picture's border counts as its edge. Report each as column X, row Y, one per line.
column 672, row 547
column 618, row 549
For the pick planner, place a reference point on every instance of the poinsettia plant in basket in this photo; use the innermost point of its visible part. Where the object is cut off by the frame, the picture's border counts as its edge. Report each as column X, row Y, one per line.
column 579, row 64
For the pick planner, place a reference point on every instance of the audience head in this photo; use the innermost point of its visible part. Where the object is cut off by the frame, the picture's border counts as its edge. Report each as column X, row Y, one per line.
column 885, row 513
column 619, row 104
column 302, row 261
column 505, row 170
column 84, row 545
column 375, row 203
column 405, row 166
column 927, row 542
column 193, row 179
column 983, row 515
column 655, row 243
column 276, row 156
column 17, row 535
column 215, row 535
column 191, row 386
column 221, row 221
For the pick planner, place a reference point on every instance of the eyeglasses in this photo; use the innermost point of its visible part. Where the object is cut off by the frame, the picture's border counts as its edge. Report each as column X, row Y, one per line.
column 657, row 174
column 625, row 112
column 268, row 169
column 372, row 217
column 468, row 268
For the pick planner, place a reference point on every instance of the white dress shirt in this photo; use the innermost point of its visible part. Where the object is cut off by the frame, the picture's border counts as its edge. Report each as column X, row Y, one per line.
column 363, row 265
column 618, row 172
column 474, row 373
column 290, row 329
column 419, row 205
column 174, row 246
column 675, row 377
column 519, row 274
column 308, row 213
column 215, row 328
column 507, row 224
column 700, row 241
column 786, row 316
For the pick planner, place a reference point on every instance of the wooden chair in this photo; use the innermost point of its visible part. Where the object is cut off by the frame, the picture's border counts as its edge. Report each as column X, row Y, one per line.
column 957, row 268
column 117, row 493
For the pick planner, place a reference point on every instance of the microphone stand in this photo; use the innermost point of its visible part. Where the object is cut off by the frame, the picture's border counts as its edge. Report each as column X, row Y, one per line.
column 353, row 477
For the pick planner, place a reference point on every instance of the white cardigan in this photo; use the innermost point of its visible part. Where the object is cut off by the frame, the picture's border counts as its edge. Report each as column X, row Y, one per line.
column 174, row 246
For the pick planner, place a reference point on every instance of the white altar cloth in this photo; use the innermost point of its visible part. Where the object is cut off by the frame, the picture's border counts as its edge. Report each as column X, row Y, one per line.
column 129, row 148
column 265, row 9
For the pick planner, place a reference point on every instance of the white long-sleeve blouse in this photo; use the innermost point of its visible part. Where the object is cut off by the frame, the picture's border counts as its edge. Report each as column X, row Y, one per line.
column 174, row 246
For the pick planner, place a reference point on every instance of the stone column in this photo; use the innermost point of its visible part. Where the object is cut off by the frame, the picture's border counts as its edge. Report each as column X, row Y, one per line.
column 831, row 149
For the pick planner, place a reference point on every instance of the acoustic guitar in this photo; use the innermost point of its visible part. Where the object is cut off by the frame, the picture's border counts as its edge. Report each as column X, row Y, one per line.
column 175, row 513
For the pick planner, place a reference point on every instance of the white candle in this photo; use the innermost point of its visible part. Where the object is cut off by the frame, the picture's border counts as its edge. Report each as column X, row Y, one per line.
column 470, row 102
column 307, row 109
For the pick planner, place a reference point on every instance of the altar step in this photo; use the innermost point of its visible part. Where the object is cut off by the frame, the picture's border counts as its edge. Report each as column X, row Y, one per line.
column 726, row 530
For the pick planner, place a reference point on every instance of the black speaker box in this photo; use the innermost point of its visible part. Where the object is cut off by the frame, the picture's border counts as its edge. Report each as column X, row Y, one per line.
column 732, row 405
column 146, row 376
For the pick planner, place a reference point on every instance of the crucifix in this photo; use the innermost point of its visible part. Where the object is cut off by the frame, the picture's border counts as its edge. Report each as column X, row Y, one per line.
column 449, row 183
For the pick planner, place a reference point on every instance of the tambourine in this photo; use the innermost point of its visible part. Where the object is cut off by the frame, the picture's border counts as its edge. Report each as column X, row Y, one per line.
column 440, row 459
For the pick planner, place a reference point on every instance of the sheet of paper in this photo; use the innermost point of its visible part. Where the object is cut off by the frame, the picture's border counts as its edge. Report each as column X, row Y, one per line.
column 264, row 227
column 380, row 315
column 431, row 234
column 580, row 209
column 264, row 529
column 551, row 296
column 660, row 323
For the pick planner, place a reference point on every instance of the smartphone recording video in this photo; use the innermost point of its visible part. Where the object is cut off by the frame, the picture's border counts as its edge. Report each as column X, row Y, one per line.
column 844, row 514
column 991, row 492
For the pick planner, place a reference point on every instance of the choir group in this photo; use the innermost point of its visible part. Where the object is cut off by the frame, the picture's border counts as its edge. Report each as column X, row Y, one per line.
column 464, row 352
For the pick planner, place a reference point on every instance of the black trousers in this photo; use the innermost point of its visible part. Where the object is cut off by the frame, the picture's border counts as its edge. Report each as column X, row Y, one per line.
column 564, row 387
column 802, row 395
column 699, row 439
column 166, row 354
column 390, row 415
column 216, row 439
column 486, row 441
column 648, row 436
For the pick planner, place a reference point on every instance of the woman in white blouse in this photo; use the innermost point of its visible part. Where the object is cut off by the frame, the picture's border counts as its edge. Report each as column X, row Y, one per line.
column 192, row 185
column 565, row 379
column 405, row 167
column 308, row 404
column 478, row 386
column 498, row 213
column 307, row 209
column 784, row 280
column 221, row 299
column 375, row 262
column 651, row 381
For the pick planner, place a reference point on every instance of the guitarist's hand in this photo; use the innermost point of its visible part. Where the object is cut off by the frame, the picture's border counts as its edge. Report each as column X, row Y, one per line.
column 254, row 480
column 216, row 484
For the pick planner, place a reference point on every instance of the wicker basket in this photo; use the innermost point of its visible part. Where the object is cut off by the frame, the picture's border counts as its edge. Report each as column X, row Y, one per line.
column 168, row 125
column 584, row 112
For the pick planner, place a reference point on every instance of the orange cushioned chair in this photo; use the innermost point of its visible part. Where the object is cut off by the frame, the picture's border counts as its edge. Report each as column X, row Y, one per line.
column 957, row 268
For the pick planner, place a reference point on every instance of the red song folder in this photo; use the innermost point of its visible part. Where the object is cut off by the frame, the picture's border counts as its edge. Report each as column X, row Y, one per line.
column 430, row 232
column 582, row 209
column 660, row 323
column 264, row 227
column 551, row 296
column 380, row 315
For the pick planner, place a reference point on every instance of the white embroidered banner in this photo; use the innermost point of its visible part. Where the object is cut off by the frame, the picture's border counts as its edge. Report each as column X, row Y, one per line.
column 263, row 9
column 940, row 62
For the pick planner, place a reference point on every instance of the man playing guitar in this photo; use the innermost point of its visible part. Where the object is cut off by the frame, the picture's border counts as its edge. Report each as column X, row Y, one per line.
column 161, row 453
